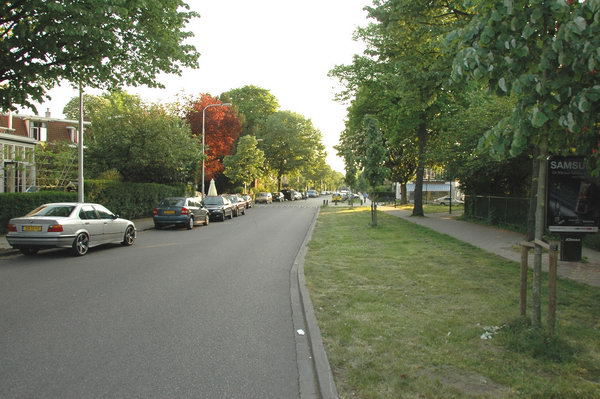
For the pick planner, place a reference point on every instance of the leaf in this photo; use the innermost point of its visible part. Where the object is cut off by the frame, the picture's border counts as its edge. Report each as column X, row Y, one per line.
column 539, row 118
column 583, row 104
column 509, row 6
column 502, row 84
column 580, row 24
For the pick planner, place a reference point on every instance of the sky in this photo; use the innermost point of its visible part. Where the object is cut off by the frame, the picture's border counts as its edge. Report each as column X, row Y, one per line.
column 284, row 46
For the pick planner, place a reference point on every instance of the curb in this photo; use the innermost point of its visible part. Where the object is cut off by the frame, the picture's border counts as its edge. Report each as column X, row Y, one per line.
column 316, row 378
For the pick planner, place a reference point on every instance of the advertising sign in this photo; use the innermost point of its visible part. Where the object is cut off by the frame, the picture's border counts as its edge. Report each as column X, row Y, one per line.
column 573, row 203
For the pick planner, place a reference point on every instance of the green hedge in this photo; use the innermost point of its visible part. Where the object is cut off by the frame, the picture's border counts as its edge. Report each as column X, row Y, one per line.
column 129, row 200
column 18, row 204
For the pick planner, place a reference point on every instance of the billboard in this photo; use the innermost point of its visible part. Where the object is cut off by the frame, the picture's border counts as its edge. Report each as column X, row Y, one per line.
column 573, row 198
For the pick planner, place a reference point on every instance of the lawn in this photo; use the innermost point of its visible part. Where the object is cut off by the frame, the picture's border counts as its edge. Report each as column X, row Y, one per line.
column 403, row 309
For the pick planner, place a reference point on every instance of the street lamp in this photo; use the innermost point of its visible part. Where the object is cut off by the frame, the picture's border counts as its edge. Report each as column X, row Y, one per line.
column 203, row 133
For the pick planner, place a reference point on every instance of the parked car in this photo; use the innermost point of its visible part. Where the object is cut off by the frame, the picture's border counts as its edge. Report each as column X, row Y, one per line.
column 218, row 206
column 278, row 196
column 248, row 199
column 337, row 197
column 312, row 193
column 239, row 205
column 78, row 226
column 264, row 198
column 180, row 211
column 297, row 195
column 446, row 200
column 288, row 194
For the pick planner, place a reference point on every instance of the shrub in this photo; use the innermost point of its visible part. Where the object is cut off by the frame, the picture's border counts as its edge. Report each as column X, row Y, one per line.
column 18, row 204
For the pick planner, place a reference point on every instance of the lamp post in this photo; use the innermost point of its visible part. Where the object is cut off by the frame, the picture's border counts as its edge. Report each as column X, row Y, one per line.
column 203, row 134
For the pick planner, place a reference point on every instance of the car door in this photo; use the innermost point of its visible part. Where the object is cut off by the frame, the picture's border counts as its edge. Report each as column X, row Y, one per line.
column 92, row 223
column 113, row 229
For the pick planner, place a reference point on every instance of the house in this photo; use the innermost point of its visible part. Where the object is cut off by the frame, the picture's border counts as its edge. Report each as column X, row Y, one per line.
column 19, row 134
column 434, row 186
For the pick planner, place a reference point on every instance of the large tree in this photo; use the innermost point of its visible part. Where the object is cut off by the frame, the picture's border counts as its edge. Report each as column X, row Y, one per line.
column 290, row 142
column 143, row 142
column 247, row 164
column 95, row 43
column 254, row 105
column 222, row 129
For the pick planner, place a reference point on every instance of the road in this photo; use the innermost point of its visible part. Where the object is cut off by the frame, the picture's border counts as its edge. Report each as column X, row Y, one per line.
column 181, row 314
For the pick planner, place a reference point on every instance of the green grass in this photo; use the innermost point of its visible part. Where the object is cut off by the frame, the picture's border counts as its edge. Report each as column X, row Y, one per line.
column 433, row 208
column 402, row 309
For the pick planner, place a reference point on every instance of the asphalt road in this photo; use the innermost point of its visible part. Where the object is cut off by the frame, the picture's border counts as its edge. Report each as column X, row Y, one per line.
column 181, row 314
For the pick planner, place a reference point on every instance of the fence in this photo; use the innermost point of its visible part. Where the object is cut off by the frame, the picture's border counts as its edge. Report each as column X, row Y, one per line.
column 498, row 210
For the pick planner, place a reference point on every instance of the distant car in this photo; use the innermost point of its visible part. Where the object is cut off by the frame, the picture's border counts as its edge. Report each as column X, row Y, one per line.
column 78, row 226
column 264, row 198
column 218, row 207
column 312, row 193
column 278, row 196
column 288, row 194
column 248, row 199
column 239, row 205
column 180, row 211
column 297, row 195
column 446, row 200
column 337, row 197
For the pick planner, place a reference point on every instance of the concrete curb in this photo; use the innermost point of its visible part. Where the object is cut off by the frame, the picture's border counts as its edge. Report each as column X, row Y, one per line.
column 316, row 378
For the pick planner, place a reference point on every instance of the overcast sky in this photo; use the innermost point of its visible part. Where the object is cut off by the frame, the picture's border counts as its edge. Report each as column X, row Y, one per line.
column 285, row 46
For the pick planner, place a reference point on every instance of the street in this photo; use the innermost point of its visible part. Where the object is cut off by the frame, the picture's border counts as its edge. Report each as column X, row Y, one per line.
column 200, row 314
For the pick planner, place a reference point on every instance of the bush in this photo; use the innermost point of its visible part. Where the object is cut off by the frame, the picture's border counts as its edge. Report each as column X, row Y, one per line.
column 130, row 200
column 18, row 204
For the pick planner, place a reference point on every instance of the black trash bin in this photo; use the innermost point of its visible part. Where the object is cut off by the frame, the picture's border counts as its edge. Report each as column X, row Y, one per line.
column 570, row 247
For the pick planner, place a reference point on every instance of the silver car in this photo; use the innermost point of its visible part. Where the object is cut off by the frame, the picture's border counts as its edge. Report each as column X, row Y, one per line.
column 78, row 226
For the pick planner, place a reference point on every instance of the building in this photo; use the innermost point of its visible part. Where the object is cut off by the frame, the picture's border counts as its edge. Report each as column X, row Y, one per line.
column 19, row 134
column 434, row 186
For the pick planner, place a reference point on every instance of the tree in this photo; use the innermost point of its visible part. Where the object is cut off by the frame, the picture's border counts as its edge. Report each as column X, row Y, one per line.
column 375, row 171
column 94, row 43
column 545, row 54
column 222, row 129
column 92, row 103
column 290, row 142
column 247, row 163
column 143, row 142
column 254, row 105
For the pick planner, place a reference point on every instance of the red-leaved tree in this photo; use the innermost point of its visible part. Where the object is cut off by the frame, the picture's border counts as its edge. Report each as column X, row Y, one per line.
column 222, row 129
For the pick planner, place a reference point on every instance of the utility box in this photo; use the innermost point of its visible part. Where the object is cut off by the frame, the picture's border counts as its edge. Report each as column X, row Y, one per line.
column 570, row 247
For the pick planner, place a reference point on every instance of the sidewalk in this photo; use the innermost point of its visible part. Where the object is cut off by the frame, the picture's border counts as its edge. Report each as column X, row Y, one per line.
column 503, row 243
column 140, row 225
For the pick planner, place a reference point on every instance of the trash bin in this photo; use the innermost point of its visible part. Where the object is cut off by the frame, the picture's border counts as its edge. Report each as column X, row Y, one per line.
column 570, row 247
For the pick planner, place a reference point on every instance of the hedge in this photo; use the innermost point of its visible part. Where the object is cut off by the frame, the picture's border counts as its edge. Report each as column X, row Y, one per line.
column 129, row 200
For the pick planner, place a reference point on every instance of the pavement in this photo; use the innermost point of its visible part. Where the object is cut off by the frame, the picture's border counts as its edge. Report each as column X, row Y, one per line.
column 502, row 242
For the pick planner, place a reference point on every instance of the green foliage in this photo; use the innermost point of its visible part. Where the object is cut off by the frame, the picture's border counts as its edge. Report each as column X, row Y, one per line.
column 254, row 105
column 18, row 204
column 375, row 171
column 247, row 163
column 90, row 103
column 95, row 43
column 290, row 142
column 130, row 200
column 545, row 54
column 56, row 164
column 143, row 142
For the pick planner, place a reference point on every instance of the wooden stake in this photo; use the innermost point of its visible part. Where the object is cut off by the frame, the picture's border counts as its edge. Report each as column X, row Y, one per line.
column 552, row 266
column 524, row 270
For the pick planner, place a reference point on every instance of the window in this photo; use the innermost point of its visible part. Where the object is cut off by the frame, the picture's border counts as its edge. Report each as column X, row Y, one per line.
column 38, row 131
column 103, row 212
column 73, row 134
column 87, row 212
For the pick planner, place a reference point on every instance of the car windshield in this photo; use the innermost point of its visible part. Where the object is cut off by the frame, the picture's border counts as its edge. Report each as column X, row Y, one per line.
column 213, row 201
column 52, row 210
column 172, row 202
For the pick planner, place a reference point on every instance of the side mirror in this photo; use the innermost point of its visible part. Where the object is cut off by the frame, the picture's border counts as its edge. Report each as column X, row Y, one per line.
column 115, row 217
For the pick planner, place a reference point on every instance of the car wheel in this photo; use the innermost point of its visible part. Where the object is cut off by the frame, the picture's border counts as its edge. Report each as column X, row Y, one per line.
column 442, row 203
column 29, row 251
column 231, row 215
column 244, row 211
column 129, row 236
column 237, row 212
column 206, row 220
column 190, row 223
column 80, row 245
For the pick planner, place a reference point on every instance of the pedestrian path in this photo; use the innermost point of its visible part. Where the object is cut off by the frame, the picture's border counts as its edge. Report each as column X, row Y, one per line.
column 502, row 242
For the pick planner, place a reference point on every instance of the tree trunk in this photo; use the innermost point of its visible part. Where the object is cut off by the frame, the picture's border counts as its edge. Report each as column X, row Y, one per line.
column 422, row 141
column 403, row 194
column 279, row 182
column 533, row 195
column 540, row 213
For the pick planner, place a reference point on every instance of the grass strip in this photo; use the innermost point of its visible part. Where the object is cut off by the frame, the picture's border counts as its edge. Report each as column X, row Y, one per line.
column 404, row 311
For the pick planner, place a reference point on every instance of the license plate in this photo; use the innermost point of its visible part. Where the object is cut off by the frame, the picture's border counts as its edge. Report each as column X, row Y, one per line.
column 169, row 212
column 32, row 228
